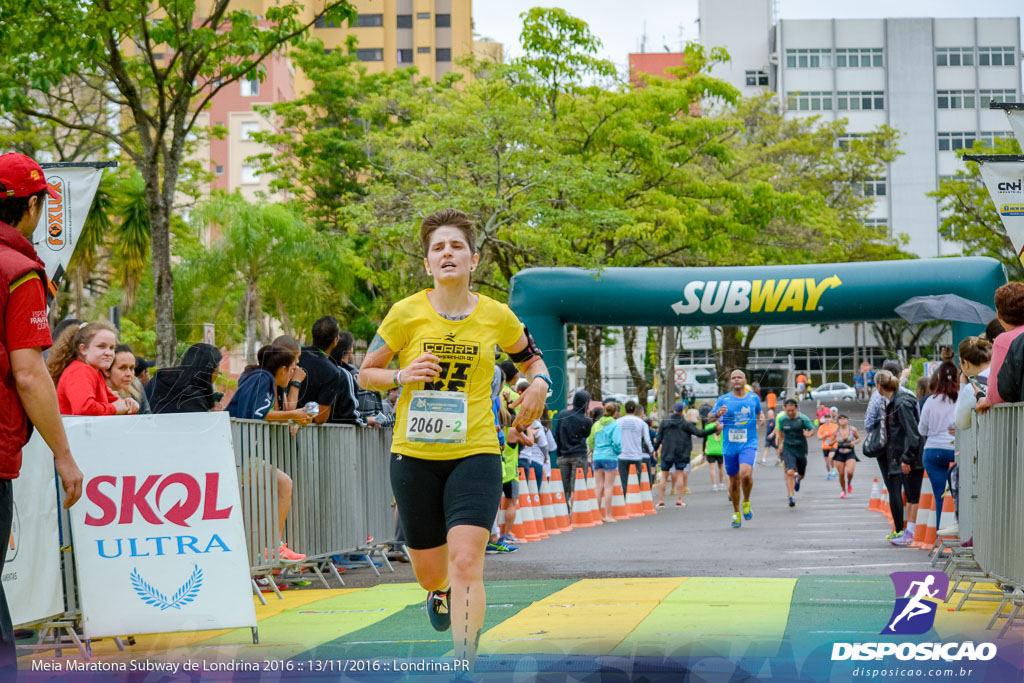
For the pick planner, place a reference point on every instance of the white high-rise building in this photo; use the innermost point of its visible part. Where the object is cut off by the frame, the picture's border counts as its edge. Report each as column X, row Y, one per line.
column 929, row 78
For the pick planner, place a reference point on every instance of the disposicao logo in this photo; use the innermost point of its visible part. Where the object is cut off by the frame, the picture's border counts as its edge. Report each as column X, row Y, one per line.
column 917, row 598
column 1011, row 210
column 741, row 296
column 921, row 592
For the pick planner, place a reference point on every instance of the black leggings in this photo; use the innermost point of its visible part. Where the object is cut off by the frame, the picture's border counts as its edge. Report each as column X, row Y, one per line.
column 897, row 484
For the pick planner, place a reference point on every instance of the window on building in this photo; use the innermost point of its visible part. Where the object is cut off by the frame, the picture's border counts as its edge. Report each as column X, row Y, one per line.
column 249, row 128
column 218, row 170
column 809, row 101
column 816, row 58
column 250, row 87
column 405, row 56
column 442, row 20
column 989, row 136
column 996, row 56
column 370, row 54
column 323, row 23
column 949, row 142
column 880, row 225
column 423, row 50
column 404, row 21
column 423, row 15
column 844, row 140
column 874, row 187
column 858, row 57
column 757, row 78
column 368, row 20
column 987, row 96
column 443, row 54
column 249, row 175
column 954, row 56
column 955, row 99
column 855, row 100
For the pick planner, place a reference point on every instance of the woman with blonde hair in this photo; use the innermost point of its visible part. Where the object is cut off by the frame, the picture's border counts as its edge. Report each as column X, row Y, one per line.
column 76, row 364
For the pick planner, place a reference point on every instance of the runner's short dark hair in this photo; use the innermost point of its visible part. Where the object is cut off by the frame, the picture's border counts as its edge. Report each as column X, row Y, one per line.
column 790, row 402
column 630, row 406
column 451, row 218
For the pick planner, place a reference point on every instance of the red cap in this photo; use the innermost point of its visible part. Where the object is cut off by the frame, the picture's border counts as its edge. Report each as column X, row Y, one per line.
column 21, row 176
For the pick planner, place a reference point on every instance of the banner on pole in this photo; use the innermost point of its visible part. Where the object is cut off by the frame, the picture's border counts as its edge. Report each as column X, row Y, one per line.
column 159, row 541
column 31, row 571
column 1005, row 183
column 1016, row 117
column 61, row 225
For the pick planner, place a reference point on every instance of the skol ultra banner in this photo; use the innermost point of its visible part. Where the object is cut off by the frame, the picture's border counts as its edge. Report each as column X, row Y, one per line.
column 158, row 534
column 61, row 225
column 31, row 571
column 1005, row 182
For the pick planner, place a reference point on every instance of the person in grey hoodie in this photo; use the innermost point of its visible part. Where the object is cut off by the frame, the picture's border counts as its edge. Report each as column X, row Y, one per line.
column 571, row 434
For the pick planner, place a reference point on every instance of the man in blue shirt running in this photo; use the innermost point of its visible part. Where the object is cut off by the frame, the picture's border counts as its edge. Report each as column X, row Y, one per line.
column 739, row 414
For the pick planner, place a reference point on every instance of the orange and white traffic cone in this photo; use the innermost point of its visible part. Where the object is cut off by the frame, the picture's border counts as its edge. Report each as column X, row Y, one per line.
column 886, row 509
column 619, row 500
column 634, row 503
column 646, row 497
column 526, row 512
column 522, row 503
column 927, row 535
column 580, row 518
column 595, row 513
column 550, row 523
column 558, row 500
column 535, row 503
column 876, row 497
column 948, row 511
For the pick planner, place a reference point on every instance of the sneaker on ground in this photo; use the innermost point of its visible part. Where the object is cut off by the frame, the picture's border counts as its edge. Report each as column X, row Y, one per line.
column 796, row 482
column 843, row 494
column 849, row 488
column 893, row 534
column 792, row 502
column 437, row 610
column 736, row 523
column 289, row 555
column 901, row 540
column 747, row 514
column 500, row 547
column 509, row 539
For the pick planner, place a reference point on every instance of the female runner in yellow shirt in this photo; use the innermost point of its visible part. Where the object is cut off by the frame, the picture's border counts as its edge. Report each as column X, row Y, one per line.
column 446, row 470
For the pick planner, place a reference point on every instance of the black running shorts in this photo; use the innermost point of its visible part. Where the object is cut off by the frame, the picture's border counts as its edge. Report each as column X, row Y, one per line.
column 714, row 458
column 844, row 455
column 795, row 461
column 435, row 495
column 511, row 489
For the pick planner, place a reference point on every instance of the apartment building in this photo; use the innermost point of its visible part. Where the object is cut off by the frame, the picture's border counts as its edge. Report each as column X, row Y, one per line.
column 391, row 34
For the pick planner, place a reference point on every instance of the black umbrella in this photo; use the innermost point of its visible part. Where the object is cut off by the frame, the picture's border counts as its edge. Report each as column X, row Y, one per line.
column 922, row 309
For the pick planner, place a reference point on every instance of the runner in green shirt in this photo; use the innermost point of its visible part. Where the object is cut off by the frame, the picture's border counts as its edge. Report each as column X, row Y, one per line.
column 793, row 428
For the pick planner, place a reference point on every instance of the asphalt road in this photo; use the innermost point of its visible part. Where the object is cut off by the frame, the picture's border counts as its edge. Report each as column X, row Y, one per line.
column 822, row 535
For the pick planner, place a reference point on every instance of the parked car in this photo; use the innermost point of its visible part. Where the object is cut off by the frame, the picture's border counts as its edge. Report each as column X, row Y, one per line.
column 834, row 391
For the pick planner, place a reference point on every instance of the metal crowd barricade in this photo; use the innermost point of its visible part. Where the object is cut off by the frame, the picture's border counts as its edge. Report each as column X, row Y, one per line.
column 341, row 492
column 991, row 459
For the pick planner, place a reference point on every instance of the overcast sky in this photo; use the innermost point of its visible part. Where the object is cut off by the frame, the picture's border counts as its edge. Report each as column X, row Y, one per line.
column 621, row 26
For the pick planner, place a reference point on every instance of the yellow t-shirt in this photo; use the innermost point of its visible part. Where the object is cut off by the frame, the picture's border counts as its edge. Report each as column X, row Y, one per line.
column 466, row 348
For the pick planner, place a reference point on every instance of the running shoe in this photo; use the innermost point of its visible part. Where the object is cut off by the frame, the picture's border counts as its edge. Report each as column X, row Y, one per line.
column 902, row 540
column 437, row 610
column 796, row 483
column 500, row 547
column 288, row 555
column 843, row 494
column 747, row 514
column 892, row 535
column 509, row 539
column 849, row 488
column 661, row 503
column 792, row 502
column 736, row 523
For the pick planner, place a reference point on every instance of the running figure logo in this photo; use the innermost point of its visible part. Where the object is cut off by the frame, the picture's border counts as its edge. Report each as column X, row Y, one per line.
column 914, row 612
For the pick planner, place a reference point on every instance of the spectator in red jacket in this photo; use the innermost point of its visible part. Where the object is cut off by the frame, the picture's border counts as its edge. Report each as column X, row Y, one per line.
column 76, row 364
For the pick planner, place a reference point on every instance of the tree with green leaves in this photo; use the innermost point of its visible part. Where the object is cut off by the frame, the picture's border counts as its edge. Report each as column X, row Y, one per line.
column 159, row 63
column 265, row 262
column 969, row 216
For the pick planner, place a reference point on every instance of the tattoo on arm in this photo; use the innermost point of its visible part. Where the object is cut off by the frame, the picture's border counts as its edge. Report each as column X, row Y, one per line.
column 375, row 345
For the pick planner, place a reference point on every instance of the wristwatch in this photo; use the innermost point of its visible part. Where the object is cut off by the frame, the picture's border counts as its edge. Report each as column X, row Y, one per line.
column 295, row 383
column 545, row 378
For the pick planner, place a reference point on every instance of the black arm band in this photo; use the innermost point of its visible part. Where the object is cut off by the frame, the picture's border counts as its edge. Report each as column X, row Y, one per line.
column 531, row 349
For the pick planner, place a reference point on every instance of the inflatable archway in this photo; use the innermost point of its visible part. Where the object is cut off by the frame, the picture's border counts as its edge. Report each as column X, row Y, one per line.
column 547, row 299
